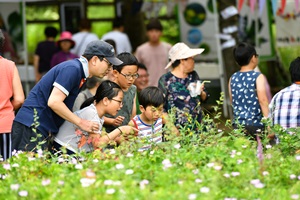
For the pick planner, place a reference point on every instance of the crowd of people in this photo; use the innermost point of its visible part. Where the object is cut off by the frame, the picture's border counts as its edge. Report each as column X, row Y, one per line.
column 92, row 94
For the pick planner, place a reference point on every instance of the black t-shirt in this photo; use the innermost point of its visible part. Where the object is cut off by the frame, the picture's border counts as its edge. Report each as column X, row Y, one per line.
column 45, row 50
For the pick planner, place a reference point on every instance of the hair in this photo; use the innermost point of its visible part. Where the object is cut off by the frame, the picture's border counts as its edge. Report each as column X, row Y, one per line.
column 243, row 53
column 175, row 63
column 107, row 89
column 50, row 31
column 142, row 66
column 154, row 23
column 2, row 39
column 112, row 43
column 117, row 22
column 295, row 70
column 127, row 59
column 85, row 24
column 151, row 96
column 91, row 82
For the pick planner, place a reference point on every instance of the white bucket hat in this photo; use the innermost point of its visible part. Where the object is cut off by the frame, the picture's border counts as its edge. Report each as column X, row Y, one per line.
column 182, row 51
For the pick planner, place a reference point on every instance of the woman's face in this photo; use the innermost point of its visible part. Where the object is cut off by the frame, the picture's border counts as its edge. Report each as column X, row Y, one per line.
column 189, row 64
column 115, row 104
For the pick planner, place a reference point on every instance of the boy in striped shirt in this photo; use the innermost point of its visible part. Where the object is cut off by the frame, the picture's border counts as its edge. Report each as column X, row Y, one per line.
column 150, row 121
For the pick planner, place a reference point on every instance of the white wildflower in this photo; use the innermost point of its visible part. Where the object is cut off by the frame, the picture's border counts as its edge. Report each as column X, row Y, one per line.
column 110, row 191
column 78, row 166
column 210, row 164
column 295, row 196
column 23, row 193
column 119, row 166
column 292, row 176
column 86, row 182
column 204, row 190
column 235, row 173
column 192, row 196
column 129, row 171
column 177, row 146
column 14, row 186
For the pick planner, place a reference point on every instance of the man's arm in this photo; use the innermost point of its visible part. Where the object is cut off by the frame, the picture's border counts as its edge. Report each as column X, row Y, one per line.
column 56, row 103
column 262, row 95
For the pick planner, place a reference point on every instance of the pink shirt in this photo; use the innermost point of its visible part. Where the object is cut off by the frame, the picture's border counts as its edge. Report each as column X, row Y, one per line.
column 155, row 58
column 7, row 114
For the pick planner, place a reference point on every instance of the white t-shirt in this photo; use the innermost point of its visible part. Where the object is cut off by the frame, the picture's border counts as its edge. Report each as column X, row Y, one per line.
column 67, row 136
column 121, row 40
column 81, row 40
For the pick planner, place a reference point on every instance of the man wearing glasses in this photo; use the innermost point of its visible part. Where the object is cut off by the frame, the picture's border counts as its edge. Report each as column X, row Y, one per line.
column 51, row 100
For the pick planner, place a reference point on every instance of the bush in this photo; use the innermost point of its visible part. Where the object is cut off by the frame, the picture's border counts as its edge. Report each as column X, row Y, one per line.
column 214, row 164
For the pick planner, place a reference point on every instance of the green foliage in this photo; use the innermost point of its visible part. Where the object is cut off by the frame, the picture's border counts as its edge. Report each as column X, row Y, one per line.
column 211, row 163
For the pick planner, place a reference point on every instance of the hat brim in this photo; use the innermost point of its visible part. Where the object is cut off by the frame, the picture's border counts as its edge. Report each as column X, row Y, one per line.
column 115, row 61
column 189, row 53
column 72, row 42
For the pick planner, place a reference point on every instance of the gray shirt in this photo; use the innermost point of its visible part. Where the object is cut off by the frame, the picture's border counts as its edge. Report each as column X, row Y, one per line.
column 67, row 135
column 82, row 96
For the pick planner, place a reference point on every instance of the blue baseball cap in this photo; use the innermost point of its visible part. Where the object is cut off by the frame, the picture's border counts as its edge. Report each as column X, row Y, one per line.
column 101, row 48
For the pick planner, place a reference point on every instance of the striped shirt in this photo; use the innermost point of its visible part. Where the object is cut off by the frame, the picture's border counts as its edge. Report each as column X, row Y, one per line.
column 285, row 107
column 148, row 133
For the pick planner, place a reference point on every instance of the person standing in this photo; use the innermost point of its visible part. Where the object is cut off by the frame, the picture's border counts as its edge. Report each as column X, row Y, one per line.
column 247, row 91
column 50, row 101
column 178, row 85
column 154, row 53
column 285, row 105
column 141, row 82
column 11, row 98
column 44, row 52
column 83, row 37
column 117, row 34
column 65, row 43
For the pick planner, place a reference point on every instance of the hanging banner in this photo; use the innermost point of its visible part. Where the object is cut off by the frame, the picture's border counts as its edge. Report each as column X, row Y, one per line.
column 198, row 28
column 255, row 28
column 287, row 25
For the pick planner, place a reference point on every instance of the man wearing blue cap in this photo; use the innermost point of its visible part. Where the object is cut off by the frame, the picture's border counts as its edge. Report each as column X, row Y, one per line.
column 53, row 97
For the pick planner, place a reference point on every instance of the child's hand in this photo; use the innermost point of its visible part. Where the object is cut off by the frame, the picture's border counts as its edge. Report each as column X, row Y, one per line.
column 128, row 131
column 118, row 120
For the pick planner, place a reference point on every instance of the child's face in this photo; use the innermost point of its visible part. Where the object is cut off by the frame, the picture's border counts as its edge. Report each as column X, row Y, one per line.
column 127, row 76
column 152, row 113
column 115, row 104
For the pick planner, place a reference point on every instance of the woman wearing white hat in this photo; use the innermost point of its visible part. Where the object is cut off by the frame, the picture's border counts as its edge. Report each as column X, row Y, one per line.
column 182, row 85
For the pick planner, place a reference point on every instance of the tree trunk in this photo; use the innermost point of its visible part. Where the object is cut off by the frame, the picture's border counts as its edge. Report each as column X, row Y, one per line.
column 229, row 64
column 134, row 23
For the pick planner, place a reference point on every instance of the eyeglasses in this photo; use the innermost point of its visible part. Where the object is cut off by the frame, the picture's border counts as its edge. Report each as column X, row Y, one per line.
column 120, row 102
column 104, row 59
column 128, row 76
column 109, row 64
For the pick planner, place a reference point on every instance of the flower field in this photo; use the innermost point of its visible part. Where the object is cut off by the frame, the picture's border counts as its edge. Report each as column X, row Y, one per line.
column 215, row 164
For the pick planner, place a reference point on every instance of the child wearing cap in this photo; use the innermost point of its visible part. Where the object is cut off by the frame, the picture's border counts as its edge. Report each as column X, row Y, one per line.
column 65, row 43
column 179, row 85
column 50, row 101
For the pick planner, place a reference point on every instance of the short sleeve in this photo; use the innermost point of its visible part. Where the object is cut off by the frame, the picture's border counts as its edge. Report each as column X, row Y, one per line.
column 67, row 79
